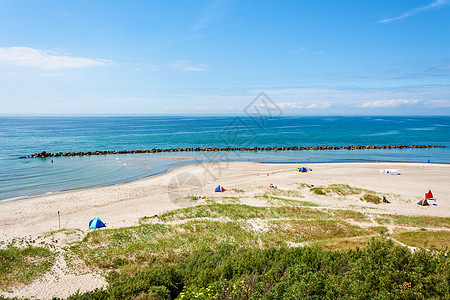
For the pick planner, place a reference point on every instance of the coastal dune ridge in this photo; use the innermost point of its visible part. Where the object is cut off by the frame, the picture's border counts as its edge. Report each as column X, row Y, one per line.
column 126, row 204
column 123, row 204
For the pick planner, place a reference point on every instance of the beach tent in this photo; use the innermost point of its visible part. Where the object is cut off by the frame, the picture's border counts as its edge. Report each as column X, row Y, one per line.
column 302, row 170
column 423, row 202
column 390, row 171
column 96, row 223
column 429, row 195
column 219, row 189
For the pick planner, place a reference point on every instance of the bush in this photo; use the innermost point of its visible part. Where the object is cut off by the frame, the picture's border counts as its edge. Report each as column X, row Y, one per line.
column 382, row 271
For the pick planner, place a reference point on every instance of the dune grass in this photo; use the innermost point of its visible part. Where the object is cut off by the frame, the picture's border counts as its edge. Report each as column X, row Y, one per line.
column 350, row 214
column 157, row 243
column 23, row 264
column 227, row 224
column 274, row 200
column 372, row 198
column 425, row 239
column 241, row 212
column 285, row 193
column 344, row 243
column 339, row 189
column 414, row 221
column 347, row 190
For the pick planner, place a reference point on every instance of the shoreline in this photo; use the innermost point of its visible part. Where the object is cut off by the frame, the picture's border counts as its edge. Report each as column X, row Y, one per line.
column 247, row 183
column 57, row 192
column 109, row 198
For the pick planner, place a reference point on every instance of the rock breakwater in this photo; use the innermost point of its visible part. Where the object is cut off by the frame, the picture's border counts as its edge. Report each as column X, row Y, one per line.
column 45, row 154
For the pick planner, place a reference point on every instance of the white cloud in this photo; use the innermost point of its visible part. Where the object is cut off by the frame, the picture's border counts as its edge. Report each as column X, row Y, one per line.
column 148, row 68
column 319, row 105
column 202, row 107
column 46, row 60
column 184, row 65
column 283, row 105
column 414, row 11
column 389, row 103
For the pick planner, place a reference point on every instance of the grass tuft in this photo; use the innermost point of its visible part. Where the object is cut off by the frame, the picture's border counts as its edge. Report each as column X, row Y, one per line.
column 22, row 265
column 372, row 198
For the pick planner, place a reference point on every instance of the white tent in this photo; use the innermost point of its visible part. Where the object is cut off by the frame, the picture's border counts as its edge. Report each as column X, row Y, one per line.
column 390, row 171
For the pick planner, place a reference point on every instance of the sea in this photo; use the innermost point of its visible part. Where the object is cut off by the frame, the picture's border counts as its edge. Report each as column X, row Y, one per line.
column 28, row 177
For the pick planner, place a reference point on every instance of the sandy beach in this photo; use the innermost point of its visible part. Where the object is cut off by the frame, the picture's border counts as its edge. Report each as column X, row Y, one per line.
column 123, row 205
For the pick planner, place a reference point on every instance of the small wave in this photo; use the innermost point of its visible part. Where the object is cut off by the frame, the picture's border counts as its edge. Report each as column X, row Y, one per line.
column 422, row 128
column 392, row 132
column 298, row 126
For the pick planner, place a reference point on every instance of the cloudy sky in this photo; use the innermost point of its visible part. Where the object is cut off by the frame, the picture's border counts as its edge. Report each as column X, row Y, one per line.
column 214, row 57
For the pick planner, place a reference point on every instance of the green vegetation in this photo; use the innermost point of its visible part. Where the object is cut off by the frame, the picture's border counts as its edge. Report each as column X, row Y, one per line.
column 429, row 239
column 372, row 198
column 226, row 224
column 224, row 200
column 225, row 250
column 379, row 229
column 23, row 264
column 382, row 271
column 302, row 185
column 241, row 212
column 350, row 214
column 145, row 244
column 285, row 193
column 346, row 190
column 339, row 189
column 416, row 221
column 383, row 220
column 273, row 200
column 318, row 191
column 344, row 244
column 422, row 221
column 64, row 231
column 304, row 230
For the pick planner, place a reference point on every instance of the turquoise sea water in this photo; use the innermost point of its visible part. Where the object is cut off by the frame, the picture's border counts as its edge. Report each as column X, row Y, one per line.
column 21, row 136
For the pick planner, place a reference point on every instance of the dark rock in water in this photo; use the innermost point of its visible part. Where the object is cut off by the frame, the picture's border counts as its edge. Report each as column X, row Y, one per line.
column 44, row 154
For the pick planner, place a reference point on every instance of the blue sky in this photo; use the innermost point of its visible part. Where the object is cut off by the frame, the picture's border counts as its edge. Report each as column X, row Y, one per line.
column 355, row 57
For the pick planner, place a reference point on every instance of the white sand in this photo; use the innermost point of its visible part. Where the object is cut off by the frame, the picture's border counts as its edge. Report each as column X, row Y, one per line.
column 123, row 205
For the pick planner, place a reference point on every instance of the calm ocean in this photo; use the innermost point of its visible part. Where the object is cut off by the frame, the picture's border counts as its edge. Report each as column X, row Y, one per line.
column 21, row 136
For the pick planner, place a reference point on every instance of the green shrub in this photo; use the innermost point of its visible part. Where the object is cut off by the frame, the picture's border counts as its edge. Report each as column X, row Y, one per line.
column 382, row 271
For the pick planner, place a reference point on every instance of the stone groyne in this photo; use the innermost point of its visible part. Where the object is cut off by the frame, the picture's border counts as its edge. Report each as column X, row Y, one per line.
column 44, row 154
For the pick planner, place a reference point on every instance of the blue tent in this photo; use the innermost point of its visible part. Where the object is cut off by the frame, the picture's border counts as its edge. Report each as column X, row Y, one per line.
column 96, row 223
column 218, row 189
column 302, row 170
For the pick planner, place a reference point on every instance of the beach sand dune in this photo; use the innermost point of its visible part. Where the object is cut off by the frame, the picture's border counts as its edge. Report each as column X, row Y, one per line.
column 123, row 205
